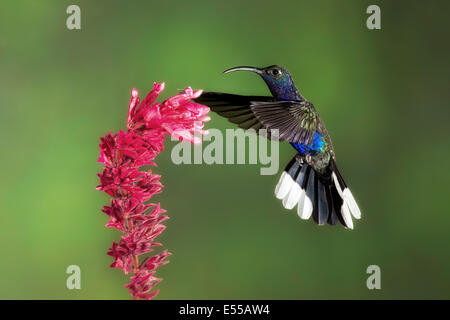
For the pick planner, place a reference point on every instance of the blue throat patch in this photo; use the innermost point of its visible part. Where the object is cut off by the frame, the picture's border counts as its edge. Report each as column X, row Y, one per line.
column 313, row 148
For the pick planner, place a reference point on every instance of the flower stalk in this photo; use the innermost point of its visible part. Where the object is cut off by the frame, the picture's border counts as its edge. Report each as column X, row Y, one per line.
column 124, row 155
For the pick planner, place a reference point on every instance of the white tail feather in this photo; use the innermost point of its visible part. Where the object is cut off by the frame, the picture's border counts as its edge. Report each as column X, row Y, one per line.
column 347, row 208
column 307, row 209
column 284, row 185
column 293, row 196
column 301, row 203
column 354, row 209
column 346, row 215
column 336, row 183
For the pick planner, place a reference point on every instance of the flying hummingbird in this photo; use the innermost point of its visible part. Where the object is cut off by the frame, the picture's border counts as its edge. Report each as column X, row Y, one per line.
column 311, row 180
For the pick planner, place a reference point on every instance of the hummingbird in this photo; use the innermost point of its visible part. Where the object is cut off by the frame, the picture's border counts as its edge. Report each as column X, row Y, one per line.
column 311, row 180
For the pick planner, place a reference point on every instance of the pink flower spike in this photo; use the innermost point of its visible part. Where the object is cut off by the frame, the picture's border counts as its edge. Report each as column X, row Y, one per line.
column 123, row 154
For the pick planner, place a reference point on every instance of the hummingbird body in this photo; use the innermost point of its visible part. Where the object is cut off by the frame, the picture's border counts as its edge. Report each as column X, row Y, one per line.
column 311, row 180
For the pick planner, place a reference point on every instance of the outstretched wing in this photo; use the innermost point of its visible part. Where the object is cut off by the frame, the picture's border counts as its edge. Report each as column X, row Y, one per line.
column 236, row 108
column 296, row 121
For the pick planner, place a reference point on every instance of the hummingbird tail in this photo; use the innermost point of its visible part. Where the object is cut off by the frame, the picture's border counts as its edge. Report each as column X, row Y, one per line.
column 324, row 196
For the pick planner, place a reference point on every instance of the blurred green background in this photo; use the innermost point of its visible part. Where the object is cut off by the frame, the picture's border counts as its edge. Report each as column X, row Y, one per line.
column 384, row 95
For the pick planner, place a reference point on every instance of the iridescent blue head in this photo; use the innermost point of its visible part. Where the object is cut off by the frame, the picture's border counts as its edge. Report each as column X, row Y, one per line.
column 278, row 80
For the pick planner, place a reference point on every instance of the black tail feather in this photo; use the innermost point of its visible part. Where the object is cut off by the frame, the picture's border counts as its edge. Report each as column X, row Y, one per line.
column 332, row 217
column 323, row 204
column 315, row 200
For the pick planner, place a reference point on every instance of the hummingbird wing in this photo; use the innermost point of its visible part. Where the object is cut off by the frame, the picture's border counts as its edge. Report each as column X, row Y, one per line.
column 236, row 108
column 296, row 121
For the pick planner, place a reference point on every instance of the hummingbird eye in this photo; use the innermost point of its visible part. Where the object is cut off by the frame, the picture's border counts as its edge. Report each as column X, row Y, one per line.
column 275, row 72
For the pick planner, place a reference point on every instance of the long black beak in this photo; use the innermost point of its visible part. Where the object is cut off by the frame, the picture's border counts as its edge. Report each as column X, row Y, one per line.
column 244, row 68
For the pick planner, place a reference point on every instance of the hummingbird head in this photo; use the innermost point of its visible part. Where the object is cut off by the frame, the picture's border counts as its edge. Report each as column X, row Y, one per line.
column 277, row 78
